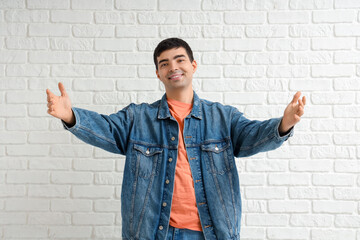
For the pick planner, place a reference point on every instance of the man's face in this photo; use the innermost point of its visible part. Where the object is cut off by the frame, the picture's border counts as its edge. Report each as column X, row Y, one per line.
column 175, row 69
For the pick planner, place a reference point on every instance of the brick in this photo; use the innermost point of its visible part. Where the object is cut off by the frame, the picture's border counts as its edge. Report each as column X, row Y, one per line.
column 13, row 138
column 26, row 43
column 49, row 30
column 332, row 43
column 310, row 193
column 196, row 18
column 71, row 71
column 98, row 31
column 222, row 58
column 115, row 17
column 227, row 31
column 26, row 16
column 338, row 16
column 53, row 163
column 134, row 58
column 44, row 4
column 287, row 71
column 12, row 190
column 200, row 45
column 93, row 58
column 266, row 58
column 291, row 17
column 94, row 165
column 265, row 193
column 53, row 191
column 70, row 151
column 65, row 16
column 253, row 233
column 333, row 152
column 71, row 205
column 93, row 85
column 266, row 4
column 110, row 232
column 27, row 177
column 13, row 29
column 49, row 218
column 220, row 5
column 189, row 31
column 302, row 220
column 337, row 207
column 25, row 231
column 266, row 165
column 71, row 178
column 244, row 45
column 27, row 70
column 254, row 206
column 27, row 150
column 70, row 232
column 332, row 234
column 69, row 44
column 115, row 71
column 204, row 71
column 136, row 5
column 311, row 4
column 286, row 233
column 245, row 98
column 266, row 220
column 92, row 4
column 49, row 57
column 332, row 70
column 310, row 58
column 332, row 124
column 13, row 218
column 266, row 31
column 12, row 56
column 333, row 180
column 245, row 17
column 114, row 44
column 242, row 71
column 48, row 137
column 12, row 4
column 332, row 98
column 347, row 193
column 308, row 30
column 347, row 30
column 346, row 57
column 259, row 111
column 95, row 192
column 93, row 218
column 310, row 165
column 288, row 44
column 13, row 163
column 157, row 18
column 346, row 111
column 292, row 179
column 347, row 4
column 310, row 85
column 346, row 138
column 223, row 85
column 109, row 178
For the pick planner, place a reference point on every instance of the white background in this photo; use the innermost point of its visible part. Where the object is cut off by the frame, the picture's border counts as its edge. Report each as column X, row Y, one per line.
column 252, row 54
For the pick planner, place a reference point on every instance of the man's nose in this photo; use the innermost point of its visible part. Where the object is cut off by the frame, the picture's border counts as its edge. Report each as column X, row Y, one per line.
column 173, row 66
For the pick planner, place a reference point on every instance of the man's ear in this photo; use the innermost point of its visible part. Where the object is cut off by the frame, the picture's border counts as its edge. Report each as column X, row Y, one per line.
column 194, row 64
column 157, row 74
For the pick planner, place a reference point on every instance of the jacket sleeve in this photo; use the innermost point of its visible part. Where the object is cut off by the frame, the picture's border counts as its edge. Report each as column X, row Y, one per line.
column 251, row 137
column 109, row 132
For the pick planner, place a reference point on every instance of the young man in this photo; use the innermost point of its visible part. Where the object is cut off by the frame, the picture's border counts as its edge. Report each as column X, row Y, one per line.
column 180, row 179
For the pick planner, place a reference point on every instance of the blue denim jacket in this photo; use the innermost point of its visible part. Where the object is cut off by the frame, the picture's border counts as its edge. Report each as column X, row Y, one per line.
column 148, row 135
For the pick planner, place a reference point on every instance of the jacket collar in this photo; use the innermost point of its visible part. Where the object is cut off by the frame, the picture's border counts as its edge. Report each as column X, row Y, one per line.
column 164, row 111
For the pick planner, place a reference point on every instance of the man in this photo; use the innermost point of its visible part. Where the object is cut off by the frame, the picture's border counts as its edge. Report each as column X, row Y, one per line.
column 180, row 179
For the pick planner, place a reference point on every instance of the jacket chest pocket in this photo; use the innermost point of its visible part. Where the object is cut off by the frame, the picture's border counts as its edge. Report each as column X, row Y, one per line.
column 218, row 157
column 145, row 162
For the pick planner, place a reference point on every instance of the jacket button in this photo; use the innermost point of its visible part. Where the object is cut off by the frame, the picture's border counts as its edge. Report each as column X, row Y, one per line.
column 170, row 159
column 172, row 138
column 164, row 204
column 147, row 151
column 216, row 148
column 167, row 181
column 161, row 228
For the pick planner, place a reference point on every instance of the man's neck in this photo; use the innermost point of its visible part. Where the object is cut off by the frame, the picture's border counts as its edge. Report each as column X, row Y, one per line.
column 181, row 96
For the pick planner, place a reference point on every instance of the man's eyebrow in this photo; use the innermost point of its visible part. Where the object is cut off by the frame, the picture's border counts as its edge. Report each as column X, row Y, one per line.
column 175, row 57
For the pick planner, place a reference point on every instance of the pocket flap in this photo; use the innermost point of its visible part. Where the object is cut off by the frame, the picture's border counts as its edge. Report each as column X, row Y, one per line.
column 146, row 150
column 215, row 147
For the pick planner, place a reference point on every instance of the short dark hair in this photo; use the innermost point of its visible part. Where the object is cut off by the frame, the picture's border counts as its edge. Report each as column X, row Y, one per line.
column 171, row 43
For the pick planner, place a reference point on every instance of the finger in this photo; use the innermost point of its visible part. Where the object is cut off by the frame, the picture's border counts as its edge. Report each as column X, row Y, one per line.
column 62, row 89
column 304, row 100
column 49, row 94
column 296, row 97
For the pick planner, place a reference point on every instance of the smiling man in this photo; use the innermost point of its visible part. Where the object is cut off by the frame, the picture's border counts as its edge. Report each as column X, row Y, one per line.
column 180, row 177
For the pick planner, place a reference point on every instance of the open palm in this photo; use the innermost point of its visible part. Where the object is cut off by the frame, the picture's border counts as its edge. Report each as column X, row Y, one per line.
column 60, row 106
column 293, row 113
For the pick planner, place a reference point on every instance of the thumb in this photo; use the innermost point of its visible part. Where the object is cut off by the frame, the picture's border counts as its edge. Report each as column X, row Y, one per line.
column 49, row 94
column 62, row 89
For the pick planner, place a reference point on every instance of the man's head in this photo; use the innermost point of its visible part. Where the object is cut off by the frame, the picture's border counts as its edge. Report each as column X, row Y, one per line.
column 171, row 43
column 175, row 65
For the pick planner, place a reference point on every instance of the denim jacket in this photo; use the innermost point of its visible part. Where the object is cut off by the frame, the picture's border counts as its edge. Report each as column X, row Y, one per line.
column 148, row 135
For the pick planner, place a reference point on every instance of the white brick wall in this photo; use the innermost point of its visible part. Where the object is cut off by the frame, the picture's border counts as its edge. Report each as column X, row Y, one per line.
column 253, row 54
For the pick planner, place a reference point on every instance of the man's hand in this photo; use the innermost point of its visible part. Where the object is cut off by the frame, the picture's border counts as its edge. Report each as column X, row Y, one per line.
column 60, row 106
column 292, row 113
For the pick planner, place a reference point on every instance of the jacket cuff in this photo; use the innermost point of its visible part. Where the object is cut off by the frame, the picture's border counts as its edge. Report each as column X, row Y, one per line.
column 285, row 136
column 77, row 122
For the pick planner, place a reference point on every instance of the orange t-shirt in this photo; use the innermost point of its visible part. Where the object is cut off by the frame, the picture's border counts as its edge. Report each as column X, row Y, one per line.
column 184, row 212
